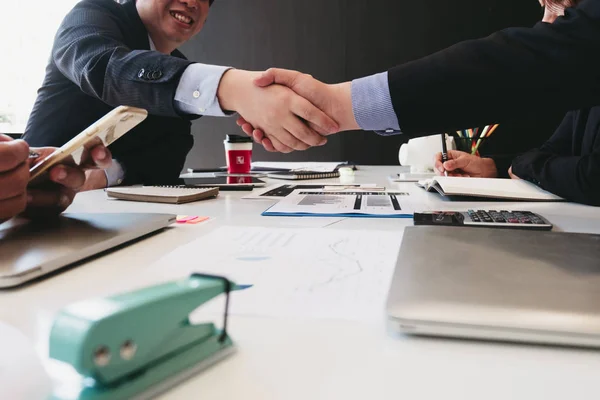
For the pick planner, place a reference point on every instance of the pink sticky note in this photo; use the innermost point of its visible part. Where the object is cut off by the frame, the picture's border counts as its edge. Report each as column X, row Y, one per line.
column 190, row 219
column 197, row 220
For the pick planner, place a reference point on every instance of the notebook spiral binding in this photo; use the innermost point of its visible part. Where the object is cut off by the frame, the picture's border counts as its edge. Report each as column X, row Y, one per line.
column 334, row 174
column 298, row 175
column 180, row 187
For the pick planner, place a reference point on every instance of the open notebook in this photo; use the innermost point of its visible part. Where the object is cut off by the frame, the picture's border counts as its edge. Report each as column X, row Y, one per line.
column 162, row 194
column 511, row 189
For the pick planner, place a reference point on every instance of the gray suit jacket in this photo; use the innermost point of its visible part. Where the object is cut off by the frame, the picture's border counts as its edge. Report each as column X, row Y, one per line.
column 100, row 60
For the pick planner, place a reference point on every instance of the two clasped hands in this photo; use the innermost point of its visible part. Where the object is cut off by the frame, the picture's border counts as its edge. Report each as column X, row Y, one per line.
column 318, row 110
column 299, row 113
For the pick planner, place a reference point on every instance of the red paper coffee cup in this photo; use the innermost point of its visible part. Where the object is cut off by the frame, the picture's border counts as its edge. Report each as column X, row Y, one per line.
column 238, row 153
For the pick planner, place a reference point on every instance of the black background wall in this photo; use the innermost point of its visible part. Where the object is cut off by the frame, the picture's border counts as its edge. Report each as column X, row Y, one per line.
column 339, row 40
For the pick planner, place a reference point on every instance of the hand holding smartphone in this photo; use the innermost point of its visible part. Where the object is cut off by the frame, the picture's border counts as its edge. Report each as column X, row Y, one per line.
column 104, row 131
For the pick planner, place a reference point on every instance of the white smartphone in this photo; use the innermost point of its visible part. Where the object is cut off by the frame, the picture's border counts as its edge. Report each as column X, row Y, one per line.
column 104, row 131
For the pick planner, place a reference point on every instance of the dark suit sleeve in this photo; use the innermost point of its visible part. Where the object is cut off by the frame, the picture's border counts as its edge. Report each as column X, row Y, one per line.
column 513, row 71
column 160, row 164
column 89, row 49
column 503, row 163
column 551, row 167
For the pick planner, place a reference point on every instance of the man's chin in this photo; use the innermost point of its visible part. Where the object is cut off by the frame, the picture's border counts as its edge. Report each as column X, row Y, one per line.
column 179, row 38
column 175, row 40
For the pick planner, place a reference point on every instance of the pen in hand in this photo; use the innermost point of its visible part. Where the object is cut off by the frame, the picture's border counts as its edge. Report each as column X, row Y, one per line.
column 444, row 152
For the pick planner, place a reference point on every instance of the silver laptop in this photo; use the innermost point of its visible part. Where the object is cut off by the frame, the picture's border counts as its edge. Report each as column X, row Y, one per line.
column 498, row 284
column 30, row 249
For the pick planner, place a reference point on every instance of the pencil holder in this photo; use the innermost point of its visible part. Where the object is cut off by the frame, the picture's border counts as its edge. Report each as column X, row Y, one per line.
column 469, row 145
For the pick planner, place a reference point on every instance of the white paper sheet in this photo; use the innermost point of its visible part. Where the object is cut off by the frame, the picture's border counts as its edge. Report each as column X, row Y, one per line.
column 322, row 273
column 410, row 177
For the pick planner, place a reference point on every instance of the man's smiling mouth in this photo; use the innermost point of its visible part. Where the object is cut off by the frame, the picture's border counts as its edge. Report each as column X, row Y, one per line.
column 181, row 18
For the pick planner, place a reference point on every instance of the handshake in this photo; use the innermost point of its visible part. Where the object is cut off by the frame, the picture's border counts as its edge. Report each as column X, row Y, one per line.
column 287, row 110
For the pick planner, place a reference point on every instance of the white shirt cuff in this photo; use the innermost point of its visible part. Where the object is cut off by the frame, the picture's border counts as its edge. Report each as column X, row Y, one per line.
column 372, row 104
column 114, row 174
column 197, row 90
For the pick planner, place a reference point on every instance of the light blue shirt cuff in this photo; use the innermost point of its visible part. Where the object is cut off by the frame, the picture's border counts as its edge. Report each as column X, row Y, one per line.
column 197, row 90
column 114, row 174
column 372, row 105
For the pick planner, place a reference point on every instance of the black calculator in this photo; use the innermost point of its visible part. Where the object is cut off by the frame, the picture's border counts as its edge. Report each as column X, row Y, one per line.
column 484, row 218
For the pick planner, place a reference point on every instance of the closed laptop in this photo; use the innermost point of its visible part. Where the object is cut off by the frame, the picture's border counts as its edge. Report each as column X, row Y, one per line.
column 498, row 284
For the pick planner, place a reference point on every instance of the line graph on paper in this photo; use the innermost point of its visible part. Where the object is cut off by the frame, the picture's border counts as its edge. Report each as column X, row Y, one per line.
column 298, row 272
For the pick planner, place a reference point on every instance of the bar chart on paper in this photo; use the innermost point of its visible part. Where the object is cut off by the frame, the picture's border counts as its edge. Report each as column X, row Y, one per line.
column 323, row 273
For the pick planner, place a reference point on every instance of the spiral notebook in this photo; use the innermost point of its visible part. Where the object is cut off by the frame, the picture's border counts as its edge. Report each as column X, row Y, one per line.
column 311, row 171
column 301, row 175
column 162, row 194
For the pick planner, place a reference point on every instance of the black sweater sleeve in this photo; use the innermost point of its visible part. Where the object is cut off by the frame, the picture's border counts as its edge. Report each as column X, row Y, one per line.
column 517, row 70
column 503, row 163
column 555, row 169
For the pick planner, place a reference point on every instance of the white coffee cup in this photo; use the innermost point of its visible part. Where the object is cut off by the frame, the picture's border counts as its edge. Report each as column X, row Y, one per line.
column 418, row 153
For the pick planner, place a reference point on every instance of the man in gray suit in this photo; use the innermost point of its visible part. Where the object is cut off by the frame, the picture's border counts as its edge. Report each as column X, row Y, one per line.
column 107, row 54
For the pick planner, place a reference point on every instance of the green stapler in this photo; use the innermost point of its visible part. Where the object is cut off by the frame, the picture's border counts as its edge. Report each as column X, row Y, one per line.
column 138, row 344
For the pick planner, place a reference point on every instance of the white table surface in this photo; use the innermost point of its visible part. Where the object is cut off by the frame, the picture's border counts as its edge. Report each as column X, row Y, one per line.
column 292, row 358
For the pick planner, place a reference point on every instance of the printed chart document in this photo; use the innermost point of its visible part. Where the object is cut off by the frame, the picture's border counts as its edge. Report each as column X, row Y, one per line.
column 316, row 273
column 347, row 203
column 279, row 191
